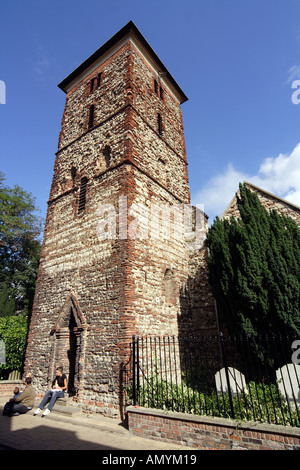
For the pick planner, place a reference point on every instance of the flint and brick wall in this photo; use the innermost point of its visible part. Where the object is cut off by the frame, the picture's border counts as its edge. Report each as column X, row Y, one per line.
column 93, row 293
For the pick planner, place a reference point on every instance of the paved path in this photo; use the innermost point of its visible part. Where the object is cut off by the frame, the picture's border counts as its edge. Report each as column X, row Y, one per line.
column 79, row 432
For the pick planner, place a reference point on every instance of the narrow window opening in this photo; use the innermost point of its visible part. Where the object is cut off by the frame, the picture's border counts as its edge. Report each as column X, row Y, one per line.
column 92, row 84
column 159, row 123
column 161, row 92
column 95, row 82
column 91, row 116
column 155, row 86
column 82, row 194
column 106, row 153
column 73, row 173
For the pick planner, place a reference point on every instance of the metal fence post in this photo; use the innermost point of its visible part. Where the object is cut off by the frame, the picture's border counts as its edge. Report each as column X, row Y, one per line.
column 133, row 371
column 137, row 371
column 226, row 374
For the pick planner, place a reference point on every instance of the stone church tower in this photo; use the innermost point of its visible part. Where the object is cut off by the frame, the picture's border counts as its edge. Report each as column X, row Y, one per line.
column 114, row 261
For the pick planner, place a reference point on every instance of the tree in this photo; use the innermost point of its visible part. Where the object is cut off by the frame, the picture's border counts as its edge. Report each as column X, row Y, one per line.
column 13, row 331
column 254, row 268
column 20, row 247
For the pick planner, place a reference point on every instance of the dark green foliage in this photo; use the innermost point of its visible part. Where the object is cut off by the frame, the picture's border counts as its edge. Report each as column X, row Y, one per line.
column 19, row 249
column 7, row 303
column 254, row 268
column 13, row 331
column 257, row 402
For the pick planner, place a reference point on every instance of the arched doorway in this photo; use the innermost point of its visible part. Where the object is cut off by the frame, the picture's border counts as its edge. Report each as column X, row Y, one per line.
column 69, row 343
column 72, row 355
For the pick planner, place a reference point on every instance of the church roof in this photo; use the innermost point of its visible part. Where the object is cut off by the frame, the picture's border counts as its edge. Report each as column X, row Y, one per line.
column 255, row 188
column 130, row 31
column 267, row 193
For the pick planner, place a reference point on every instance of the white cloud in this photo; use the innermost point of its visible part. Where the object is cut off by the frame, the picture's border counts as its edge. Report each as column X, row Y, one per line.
column 42, row 66
column 42, row 63
column 279, row 175
column 294, row 73
column 219, row 190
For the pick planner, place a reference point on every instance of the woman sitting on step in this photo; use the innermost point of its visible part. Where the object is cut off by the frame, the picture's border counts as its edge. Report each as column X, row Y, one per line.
column 58, row 391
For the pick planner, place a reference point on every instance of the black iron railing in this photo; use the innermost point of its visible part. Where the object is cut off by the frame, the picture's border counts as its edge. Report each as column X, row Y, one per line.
column 236, row 377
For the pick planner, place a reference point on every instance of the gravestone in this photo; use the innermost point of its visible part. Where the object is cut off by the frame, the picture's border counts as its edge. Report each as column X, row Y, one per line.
column 237, row 381
column 2, row 352
column 288, row 378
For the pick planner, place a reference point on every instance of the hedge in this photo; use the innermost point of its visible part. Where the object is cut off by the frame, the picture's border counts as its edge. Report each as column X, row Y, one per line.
column 13, row 331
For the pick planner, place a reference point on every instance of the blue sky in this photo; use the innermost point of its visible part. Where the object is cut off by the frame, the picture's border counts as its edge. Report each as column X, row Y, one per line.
column 236, row 61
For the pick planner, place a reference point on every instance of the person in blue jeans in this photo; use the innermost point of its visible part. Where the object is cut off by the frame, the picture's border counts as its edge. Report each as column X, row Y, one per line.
column 60, row 385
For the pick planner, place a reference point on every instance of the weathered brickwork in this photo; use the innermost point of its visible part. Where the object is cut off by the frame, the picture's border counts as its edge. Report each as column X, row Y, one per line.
column 7, row 387
column 109, row 97
column 95, row 291
column 209, row 433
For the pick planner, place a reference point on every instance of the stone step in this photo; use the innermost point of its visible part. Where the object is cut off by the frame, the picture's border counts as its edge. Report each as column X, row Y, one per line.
column 63, row 406
column 64, row 401
column 65, row 410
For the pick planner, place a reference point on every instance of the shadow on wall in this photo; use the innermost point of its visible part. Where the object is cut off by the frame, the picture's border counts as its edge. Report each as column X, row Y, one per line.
column 197, row 315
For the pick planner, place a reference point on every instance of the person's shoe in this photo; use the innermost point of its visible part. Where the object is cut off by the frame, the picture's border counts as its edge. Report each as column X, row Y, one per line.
column 46, row 412
column 37, row 411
